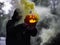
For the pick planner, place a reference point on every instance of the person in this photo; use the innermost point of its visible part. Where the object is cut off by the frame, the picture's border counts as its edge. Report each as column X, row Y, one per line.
column 10, row 31
column 19, row 34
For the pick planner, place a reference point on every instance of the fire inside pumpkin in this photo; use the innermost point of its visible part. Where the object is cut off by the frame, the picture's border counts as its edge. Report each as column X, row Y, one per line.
column 31, row 19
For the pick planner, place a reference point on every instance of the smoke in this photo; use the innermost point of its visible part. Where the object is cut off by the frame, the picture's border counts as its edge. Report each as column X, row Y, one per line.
column 7, row 12
column 7, row 6
column 47, row 35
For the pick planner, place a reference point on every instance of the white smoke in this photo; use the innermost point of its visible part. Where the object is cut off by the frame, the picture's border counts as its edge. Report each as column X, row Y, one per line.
column 7, row 6
column 7, row 12
column 47, row 34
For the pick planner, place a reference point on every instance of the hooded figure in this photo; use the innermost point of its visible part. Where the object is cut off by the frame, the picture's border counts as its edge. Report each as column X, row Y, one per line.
column 19, row 34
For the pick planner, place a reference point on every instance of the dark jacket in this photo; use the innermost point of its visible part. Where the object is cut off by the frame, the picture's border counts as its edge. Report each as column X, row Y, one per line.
column 23, row 34
column 19, row 34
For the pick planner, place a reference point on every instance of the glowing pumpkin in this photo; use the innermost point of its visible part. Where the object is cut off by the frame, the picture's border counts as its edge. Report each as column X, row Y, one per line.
column 31, row 19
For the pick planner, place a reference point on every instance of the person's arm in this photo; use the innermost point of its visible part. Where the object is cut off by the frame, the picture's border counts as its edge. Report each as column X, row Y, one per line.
column 32, row 31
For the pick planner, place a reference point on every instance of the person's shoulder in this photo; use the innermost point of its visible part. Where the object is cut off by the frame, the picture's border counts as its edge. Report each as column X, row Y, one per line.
column 10, row 21
column 20, row 25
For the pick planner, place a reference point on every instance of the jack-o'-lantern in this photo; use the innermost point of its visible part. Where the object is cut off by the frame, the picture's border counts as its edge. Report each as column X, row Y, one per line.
column 31, row 19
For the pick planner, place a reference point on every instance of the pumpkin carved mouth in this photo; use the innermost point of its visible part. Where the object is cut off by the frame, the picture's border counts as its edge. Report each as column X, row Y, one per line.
column 32, row 21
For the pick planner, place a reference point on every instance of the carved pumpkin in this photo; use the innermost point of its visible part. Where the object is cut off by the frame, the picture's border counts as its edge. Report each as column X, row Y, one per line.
column 31, row 19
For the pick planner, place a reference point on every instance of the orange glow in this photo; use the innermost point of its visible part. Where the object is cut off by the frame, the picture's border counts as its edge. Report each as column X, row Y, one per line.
column 32, row 21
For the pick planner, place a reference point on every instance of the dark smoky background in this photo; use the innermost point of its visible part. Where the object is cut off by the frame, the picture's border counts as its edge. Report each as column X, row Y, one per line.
column 7, row 8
